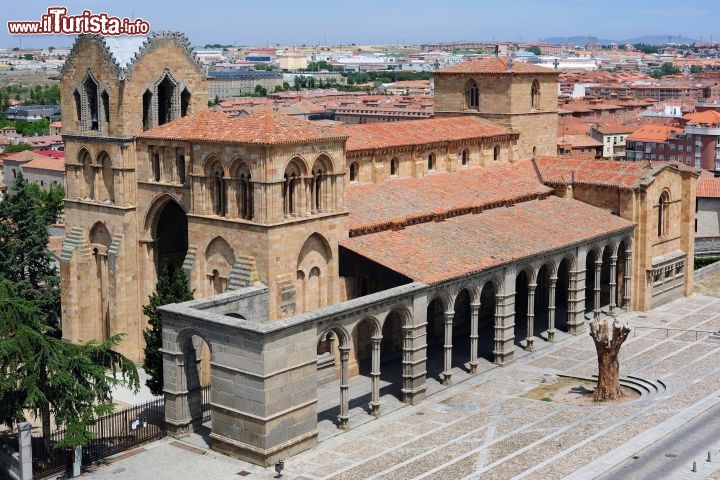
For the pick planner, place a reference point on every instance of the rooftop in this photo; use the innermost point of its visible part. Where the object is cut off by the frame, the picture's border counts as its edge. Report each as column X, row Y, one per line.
column 405, row 201
column 266, row 127
column 470, row 243
column 613, row 128
column 579, row 141
column 46, row 163
column 609, row 173
column 417, row 132
column 654, row 133
column 707, row 117
column 495, row 65
column 708, row 186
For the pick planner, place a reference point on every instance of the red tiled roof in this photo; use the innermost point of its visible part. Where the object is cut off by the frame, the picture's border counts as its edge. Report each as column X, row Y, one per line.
column 417, row 132
column 24, row 156
column 708, row 117
column 436, row 251
column 579, row 141
column 51, row 153
column 409, row 200
column 614, row 129
column 708, row 186
column 495, row 65
column 266, row 127
column 625, row 175
column 46, row 163
column 653, row 133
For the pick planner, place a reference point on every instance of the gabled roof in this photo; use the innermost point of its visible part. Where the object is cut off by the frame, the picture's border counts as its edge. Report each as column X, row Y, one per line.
column 265, row 127
column 46, row 163
column 707, row 117
column 653, row 133
column 24, row 156
column 708, row 186
column 579, row 141
column 406, row 200
column 433, row 252
column 495, row 65
column 608, row 173
column 417, row 132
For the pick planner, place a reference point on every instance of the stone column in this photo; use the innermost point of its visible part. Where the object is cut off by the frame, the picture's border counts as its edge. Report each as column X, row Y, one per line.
column 504, row 350
column 375, row 377
column 551, row 309
column 613, row 283
column 598, row 270
column 447, row 363
column 344, row 400
column 474, row 312
column 414, row 363
column 626, row 286
column 25, row 450
column 576, row 302
column 177, row 411
column 531, row 316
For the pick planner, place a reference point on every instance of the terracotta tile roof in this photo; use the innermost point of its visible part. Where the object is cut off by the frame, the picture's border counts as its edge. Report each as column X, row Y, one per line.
column 708, row 186
column 614, row 129
column 266, row 127
column 46, row 163
column 51, row 153
column 653, row 133
column 708, row 117
column 625, row 175
column 579, row 141
column 437, row 251
column 495, row 65
column 417, row 132
column 55, row 244
column 24, row 156
column 411, row 200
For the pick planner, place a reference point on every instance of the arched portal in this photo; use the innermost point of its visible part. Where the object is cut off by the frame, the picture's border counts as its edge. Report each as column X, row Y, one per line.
column 486, row 322
column 621, row 272
column 590, row 260
column 197, row 358
column 461, row 329
column 391, row 354
column 542, row 301
column 171, row 235
column 562, row 288
column 435, row 338
column 98, row 299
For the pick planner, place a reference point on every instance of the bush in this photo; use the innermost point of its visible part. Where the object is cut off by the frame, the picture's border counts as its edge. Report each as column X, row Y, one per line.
column 701, row 262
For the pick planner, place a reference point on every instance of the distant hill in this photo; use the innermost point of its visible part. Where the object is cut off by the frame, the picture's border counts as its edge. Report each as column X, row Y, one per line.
column 648, row 39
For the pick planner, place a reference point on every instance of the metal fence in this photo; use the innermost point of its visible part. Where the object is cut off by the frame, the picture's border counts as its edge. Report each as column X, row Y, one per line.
column 205, row 403
column 113, row 434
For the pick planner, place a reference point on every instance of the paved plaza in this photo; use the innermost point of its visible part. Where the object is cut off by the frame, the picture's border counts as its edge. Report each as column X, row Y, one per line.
column 483, row 427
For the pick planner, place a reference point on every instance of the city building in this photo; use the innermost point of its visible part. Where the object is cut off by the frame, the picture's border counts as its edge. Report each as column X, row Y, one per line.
column 613, row 137
column 581, row 147
column 704, row 126
column 224, row 84
column 318, row 251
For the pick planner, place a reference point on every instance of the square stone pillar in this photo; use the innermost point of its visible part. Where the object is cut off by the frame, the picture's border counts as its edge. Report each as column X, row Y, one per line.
column 414, row 362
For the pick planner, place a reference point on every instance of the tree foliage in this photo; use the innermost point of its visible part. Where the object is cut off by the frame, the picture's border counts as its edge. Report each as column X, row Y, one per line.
column 172, row 287
column 646, row 48
column 534, row 49
column 17, row 147
column 24, row 259
column 48, row 376
column 667, row 68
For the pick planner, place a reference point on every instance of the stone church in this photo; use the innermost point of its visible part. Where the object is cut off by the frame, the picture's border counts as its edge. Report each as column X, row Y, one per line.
column 320, row 253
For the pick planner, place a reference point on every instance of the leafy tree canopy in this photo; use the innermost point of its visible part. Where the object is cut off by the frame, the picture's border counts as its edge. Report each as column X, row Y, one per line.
column 24, row 259
column 48, row 376
column 172, row 287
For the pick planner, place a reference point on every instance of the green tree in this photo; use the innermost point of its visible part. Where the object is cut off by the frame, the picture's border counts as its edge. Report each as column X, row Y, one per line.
column 645, row 48
column 50, row 202
column 695, row 69
column 24, row 258
column 20, row 147
column 50, row 377
column 534, row 49
column 172, row 287
column 666, row 68
column 260, row 91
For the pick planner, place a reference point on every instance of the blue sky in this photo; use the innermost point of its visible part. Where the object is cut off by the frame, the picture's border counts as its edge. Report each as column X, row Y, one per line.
column 386, row 21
